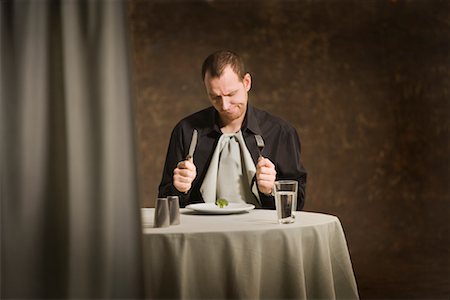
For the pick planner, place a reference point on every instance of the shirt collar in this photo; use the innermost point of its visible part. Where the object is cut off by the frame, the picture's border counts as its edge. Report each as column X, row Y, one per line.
column 250, row 121
column 212, row 123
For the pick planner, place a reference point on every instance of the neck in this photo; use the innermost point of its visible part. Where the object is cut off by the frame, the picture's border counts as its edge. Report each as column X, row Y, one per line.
column 232, row 126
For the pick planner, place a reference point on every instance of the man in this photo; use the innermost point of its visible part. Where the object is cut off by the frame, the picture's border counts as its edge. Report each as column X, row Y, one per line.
column 227, row 162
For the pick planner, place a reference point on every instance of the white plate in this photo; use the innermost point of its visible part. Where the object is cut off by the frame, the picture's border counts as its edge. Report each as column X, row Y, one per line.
column 211, row 208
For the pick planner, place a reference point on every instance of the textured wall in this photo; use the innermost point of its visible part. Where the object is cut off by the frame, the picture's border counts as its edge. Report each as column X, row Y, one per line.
column 366, row 85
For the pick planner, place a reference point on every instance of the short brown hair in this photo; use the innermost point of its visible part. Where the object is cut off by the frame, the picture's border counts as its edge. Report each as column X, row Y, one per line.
column 216, row 63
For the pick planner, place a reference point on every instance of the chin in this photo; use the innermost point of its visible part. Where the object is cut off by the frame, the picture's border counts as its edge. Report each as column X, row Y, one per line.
column 231, row 116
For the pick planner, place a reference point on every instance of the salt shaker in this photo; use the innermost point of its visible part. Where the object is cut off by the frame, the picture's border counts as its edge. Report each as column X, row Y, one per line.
column 174, row 210
column 162, row 218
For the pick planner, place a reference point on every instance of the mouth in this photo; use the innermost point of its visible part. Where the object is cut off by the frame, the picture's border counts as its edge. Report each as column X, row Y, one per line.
column 228, row 111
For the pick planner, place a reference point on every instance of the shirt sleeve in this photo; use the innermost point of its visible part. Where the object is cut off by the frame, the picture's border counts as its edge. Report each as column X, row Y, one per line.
column 175, row 154
column 288, row 162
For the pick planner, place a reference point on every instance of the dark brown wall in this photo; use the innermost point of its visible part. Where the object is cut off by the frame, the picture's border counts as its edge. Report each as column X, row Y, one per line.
column 366, row 85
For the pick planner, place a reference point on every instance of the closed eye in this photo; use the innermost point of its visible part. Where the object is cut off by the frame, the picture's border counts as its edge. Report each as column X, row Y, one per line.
column 232, row 93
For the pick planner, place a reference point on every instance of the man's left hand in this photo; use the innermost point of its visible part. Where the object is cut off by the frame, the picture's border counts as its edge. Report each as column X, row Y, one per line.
column 265, row 175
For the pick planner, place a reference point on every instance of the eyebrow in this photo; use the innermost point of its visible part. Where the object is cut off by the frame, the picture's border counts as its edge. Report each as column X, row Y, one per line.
column 232, row 92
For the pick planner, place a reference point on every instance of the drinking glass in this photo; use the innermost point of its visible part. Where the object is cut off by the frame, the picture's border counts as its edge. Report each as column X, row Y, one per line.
column 286, row 200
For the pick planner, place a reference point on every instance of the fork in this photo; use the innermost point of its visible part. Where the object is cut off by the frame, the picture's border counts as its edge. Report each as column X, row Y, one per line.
column 259, row 143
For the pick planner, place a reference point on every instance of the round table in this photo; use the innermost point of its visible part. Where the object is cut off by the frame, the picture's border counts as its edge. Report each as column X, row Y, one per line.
column 247, row 256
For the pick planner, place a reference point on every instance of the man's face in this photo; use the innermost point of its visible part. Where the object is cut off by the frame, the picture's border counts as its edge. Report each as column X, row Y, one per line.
column 228, row 94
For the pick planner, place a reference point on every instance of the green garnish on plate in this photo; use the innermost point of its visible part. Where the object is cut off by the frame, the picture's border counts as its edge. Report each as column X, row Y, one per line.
column 221, row 203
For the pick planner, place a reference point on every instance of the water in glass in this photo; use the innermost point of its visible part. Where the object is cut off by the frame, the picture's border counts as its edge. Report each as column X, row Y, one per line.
column 285, row 202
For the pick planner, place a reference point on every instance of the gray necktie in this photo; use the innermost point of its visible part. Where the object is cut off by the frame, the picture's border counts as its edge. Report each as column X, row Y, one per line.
column 231, row 182
column 230, row 172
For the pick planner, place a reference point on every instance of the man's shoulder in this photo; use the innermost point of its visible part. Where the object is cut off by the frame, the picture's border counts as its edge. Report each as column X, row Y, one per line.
column 199, row 119
column 269, row 121
column 200, row 114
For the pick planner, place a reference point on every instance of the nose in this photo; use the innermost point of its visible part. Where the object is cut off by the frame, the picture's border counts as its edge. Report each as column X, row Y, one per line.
column 225, row 104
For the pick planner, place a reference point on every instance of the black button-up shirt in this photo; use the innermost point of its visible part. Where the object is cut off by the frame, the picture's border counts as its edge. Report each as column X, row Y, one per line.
column 282, row 147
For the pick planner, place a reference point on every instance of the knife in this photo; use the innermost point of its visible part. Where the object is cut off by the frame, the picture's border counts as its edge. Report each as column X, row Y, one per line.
column 193, row 145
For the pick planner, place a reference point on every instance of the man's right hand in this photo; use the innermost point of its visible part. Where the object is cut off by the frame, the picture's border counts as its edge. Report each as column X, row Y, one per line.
column 184, row 174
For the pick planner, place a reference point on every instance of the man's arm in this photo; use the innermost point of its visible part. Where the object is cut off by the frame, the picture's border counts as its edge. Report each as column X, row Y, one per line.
column 289, row 165
column 284, row 163
column 265, row 179
column 175, row 154
column 184, row 174
column 265, row 175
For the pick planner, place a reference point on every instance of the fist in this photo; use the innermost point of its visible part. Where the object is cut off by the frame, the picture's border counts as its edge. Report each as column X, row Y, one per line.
column 183, row 175
column 265, row 175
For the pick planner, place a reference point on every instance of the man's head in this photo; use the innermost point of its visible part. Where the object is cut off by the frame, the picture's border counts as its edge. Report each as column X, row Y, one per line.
column 227, row 85
column 215, row 64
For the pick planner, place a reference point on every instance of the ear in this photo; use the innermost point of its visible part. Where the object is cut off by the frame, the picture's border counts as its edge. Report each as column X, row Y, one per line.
column 247, row 80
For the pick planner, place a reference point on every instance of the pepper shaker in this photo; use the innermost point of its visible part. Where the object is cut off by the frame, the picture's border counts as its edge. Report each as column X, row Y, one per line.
column 162, row 218
column 174, row 210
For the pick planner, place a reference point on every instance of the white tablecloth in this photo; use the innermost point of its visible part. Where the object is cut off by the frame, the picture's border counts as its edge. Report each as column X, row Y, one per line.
column 247, row 256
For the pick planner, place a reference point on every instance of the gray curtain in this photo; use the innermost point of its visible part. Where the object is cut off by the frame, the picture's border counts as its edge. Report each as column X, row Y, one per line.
column 70, row 222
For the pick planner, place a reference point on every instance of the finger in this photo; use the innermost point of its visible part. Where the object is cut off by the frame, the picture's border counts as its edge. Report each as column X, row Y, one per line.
column 182, row 179
column 266, row 171
column 186, row 164
column 181, row 165
column 266, row 177
column 260, row 163
column 184, row 173
column 265, row 162
column 268, row 163
column 190, row 166
column 182, row 187
column 182, row 183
